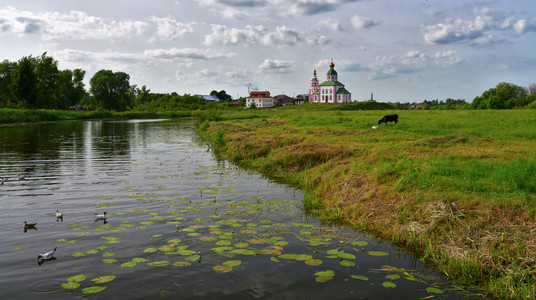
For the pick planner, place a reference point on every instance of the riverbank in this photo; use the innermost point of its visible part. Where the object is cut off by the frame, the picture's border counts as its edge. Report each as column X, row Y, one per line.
column 10, row 116
column 457, row 187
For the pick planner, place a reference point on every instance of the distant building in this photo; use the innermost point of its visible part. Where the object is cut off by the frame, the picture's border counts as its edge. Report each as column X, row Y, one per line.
column 371, row 98
column 283, row 100
column 329, row 91
column 300, row 99
column 262, row 99
column 209, row 98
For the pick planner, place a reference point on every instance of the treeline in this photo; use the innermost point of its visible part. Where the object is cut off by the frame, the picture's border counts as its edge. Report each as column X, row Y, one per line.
column 37, row 83
column 503, row 96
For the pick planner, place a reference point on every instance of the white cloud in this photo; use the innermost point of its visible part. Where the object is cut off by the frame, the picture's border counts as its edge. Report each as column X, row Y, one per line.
column 360, row 22
column 169, row 29
column 524, row 26
column 276, row 65
column 331, row 24
column 410, row 62
column 281, row 36
column 191, row 53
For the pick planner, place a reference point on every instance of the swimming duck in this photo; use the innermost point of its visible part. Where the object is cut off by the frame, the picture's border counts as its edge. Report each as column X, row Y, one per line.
column 100, row 216
column 21, row 177
column 47, row 255
column 27, row 225
column 59, row 214
column 3, row 180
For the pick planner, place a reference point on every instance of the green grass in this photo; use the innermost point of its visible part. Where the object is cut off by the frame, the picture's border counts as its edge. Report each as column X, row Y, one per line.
column 455, row 186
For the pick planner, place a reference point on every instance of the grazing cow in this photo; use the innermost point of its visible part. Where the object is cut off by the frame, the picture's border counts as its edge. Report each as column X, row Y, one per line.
column 388, row 118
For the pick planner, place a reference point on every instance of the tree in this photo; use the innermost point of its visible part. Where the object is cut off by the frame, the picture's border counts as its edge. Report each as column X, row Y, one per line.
column 24, row 82
column 46, row 71
column 111, row 91
column 504, row 95
column 222, row 95
column 6, row 74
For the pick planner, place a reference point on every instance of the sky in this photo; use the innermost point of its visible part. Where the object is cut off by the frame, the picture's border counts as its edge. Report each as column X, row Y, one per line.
column 400, row 50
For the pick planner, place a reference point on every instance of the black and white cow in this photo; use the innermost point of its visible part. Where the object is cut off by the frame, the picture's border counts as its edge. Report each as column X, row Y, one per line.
column 388, row 118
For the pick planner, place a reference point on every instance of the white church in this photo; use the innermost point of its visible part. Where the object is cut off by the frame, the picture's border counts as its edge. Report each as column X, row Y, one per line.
column 329, row 91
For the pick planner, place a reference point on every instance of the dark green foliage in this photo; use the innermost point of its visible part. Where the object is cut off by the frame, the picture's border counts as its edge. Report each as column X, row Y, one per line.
column 364, row 106
column 503, row 96
column 111, row 91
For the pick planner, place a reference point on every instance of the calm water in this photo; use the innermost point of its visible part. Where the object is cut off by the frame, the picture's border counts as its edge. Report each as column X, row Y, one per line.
column 180, row 224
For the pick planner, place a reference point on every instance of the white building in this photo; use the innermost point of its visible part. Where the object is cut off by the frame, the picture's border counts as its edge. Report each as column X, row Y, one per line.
column 261, row 99
column 329, row 91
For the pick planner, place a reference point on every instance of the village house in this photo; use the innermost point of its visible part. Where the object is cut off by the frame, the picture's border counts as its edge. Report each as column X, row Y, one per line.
column 262, row 99
column 329, row 91
column 283, row 100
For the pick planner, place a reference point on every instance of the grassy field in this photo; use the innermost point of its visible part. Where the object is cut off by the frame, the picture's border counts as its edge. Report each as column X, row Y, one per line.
column 457, row 187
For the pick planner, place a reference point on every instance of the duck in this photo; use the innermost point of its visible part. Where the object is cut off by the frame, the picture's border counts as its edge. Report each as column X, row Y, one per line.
column 47, row 255
column 27, row 225
column 21, row 177
column 100, row 216
column 3, row 180
column 59, row 214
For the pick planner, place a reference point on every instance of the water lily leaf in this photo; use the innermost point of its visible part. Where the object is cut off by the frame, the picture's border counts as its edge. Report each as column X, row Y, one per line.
column 17, row 249
column 313, row 262
column 323, row 278
column 434, row 290
column 138, row 260
column 193, row 258
column 326, row 273
column 281, row 243
column 257, row 241
column 128, row 264
column 333, row 252
column 359, row 277
column 208, row 238
column 92, row 251
column 222, row 269
column 75, row 225
column 223, row 243
column 167, row 248
column 101, row 247
column 79, row 254
column 186, row 252
column 274, row 259
column 77, row 278
column 377, row 253
column 241, row 245
column 72, row 242
column 174, row 241
column 345, row 255
column 296, row 256
column 245, row 252
column 347, row 263
column 103, row 279
column 146, row 223
column 388, row 284
column 232, row 263
column 360, row 243
column 194, row 234
column 156, row 235
column 221, row 249
column 108, row 254
column 62, row 240
column 109, row 260
column 182, row 264
column 158, row 263
column 393, row 276
column 70, row 285
column 93, row 289
column 82, row 233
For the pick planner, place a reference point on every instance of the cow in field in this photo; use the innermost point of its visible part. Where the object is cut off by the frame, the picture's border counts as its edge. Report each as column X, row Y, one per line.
column 388, row 118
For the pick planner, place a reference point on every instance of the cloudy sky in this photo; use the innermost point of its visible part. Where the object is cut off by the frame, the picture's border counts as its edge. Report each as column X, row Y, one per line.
column 402, row 50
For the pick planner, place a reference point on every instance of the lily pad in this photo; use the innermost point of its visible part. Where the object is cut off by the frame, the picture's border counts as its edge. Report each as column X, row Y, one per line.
column 223, row 243
column 360, row 243
column 393, row 277
column 92, row 251
column 388, row 284
column 17, row 249
column 186, row 252
column 93, row 289
column 347, row 263
column 138, row 259
column 103, row 279
column 109, row 260
column 359, row 277
column 434, row 290
column 71, row 285
column 62, row 240
column 232, row 263
column 158, row 263
column 156, row 235
column 77, row 278
column 326, row 273
column 296, row 256
column 182, row 264
column 377, row 253
column 345, row 255
column 244, row 252
column 222, row 268
column 313, row 262
column 208, row 238
column 108, row 254
column 128, row 264
column 150, row 250
column 79, row 254
column 241, row 245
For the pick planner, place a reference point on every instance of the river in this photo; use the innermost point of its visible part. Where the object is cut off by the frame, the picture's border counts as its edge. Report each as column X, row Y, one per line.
column 180, row 224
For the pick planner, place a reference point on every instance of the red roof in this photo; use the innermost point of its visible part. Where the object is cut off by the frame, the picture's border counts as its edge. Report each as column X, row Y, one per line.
column 259, row 94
